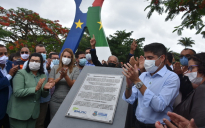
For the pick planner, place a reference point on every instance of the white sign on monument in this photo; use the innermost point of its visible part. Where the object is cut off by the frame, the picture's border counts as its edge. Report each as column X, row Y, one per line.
column 97, row 98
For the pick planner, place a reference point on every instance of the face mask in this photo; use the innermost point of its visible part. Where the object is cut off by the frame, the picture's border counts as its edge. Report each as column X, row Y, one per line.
column 193, row 78
column 24, row 56
column 55, row 62
column 150, row 65
column 111, row 65
column 88, row 57
column 82, row 62
column 105, row 65
column 34, row 66
column 44, row 56
column 66, row 61
column 184, row 61
column 3, row 59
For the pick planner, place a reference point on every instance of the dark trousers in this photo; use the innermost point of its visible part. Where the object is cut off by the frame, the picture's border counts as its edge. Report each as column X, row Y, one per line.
column 5, row 122
column 139, row 124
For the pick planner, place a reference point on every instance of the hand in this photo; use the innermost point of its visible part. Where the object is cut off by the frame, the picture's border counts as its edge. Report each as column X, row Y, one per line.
column 103, row 61
column 49, row 85
column 40, row 82
column 93, row 42
column 63, row 72
column 13, row 70
column 129, row 82
column 133, row 46
column 177, row 68
column 141, row 63
column 180, row 121
column 48, row 63
column 159, row 125
column 131, row 73
column 133, row 61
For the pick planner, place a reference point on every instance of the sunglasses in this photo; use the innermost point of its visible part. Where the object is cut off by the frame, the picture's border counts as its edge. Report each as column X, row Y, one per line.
column 187, row 56
column 3, row 53
column 191, row 67
column 24, row 52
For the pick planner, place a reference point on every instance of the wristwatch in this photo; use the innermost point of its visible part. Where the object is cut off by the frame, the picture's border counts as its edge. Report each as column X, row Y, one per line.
column 139, row 85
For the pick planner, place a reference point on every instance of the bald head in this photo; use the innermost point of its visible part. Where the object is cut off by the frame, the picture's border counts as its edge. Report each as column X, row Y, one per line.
column 25, row 49
column 113, row 59
column 188, row 52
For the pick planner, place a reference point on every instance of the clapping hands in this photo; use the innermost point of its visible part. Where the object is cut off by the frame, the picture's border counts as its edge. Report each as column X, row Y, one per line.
column 63, row 72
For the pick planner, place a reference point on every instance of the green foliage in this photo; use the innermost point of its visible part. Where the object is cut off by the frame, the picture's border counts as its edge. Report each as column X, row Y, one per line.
column 27, row 28
column 85, row 41
column 4, row 33
column 169, row 50
column 176, row 56
column 193, row 12
column 120, row 45
column 186, row 42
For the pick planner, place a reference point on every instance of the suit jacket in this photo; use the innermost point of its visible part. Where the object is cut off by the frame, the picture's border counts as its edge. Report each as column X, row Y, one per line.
column 25, row 102
column 4, row 90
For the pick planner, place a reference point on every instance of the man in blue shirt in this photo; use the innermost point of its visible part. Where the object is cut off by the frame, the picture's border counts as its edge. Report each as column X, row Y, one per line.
column 88, row 58
column 155, row 89
column 80, row 59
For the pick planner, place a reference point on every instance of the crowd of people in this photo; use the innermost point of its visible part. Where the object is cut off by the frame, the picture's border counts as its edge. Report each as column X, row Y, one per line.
column 161, row 92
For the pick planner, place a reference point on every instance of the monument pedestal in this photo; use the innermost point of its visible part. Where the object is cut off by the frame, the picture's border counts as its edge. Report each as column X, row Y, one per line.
column 61, row 121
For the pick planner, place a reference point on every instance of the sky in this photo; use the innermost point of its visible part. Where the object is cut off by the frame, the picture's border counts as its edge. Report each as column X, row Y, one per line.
column 116, row 15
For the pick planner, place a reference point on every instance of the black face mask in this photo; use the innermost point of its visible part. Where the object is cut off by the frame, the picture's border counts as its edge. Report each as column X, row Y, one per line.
column 105, row 65
column 111, row 65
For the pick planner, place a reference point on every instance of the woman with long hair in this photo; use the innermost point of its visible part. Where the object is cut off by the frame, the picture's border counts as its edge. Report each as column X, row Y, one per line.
column 28, row 86
column 64, row 76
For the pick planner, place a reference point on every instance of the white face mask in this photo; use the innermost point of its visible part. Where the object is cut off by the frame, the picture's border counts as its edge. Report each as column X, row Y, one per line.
column 34, row 66
column 150, row 65
column 88, row 57
column 66, row 61
column 3, row 59
column 24, row 56
column 193, row 78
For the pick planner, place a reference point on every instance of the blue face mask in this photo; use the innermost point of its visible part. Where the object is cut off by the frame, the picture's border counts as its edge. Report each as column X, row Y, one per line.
column 55, row 62
column 44, row 56
column 82, row 62
column 184, row 61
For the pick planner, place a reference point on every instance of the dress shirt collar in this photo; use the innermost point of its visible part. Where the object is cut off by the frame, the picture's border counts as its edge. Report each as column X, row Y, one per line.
column 161, row 72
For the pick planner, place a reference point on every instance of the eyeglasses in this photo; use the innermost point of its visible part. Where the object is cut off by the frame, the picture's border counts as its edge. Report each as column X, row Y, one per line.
column 3, row 53
column 187, row 56
column 24, row 52
column 191, row 67
column 37, row 61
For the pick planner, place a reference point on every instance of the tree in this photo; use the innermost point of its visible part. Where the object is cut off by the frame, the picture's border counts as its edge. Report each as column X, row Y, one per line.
column 186, row 42
column 85, row 41
column 176, row 56
column 193, row 12
column 120, row 43
column 169, row 50
column 27, row 28
column 4, row 33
